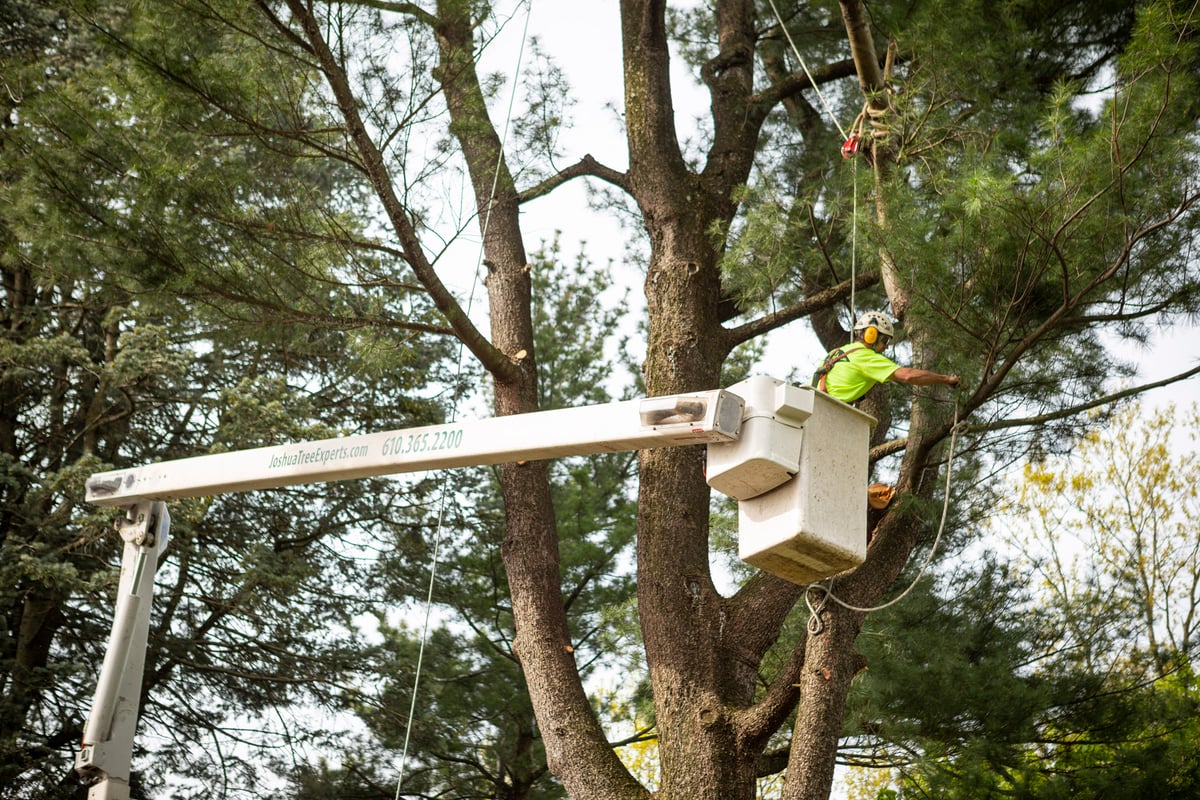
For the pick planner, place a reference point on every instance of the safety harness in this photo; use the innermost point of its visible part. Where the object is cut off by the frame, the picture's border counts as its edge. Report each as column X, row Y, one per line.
column 834, row 357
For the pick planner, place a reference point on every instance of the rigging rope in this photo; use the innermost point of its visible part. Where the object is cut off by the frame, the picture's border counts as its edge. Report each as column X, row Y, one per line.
column 811, row 80
column 848, row 151
column 437, row 539
column 854, row 245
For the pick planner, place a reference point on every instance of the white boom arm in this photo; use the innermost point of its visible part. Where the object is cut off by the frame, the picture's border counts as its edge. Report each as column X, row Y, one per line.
column 713, row 416
column 104, row 761
column 107, row 751
column 802, row 512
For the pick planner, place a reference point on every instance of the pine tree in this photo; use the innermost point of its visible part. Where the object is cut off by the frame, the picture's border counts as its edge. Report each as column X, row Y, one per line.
column 171, row 290
column 1009, row 225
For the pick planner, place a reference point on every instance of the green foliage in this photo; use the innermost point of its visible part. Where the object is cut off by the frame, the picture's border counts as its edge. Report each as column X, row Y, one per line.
column 580, row 302
column 945, row 668
column 177, row 282
column 1139, row 743
column 1069, row 672
column 189, row 265
column 473, row 733
column 1040, row 188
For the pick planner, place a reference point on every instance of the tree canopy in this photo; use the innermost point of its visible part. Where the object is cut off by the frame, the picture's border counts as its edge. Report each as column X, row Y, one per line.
column 1070, row 672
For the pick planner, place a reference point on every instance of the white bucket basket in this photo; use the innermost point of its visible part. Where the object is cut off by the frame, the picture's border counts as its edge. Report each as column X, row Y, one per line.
column 814, row 524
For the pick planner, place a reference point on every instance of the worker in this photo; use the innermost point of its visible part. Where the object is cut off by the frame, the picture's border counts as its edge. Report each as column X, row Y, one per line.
column 851, row 371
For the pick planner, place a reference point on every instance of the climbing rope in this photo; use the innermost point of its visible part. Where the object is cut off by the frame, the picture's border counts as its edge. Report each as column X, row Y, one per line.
column 811, row 80
column 850, row 149
column 441, row 515
column 852, row 142
column 854, row 245
column 816, row 625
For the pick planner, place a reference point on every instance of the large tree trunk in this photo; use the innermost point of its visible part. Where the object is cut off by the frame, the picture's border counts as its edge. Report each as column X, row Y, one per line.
column 703, row 650
column 577, row 750
column 699, row 680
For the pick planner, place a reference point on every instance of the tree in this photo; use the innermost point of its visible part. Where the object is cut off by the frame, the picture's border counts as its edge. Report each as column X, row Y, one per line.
column 1009, row 227
column 473, row 733
column 1061, row 250
column 1106, row 693
column 1124, row 497
column 162, row 284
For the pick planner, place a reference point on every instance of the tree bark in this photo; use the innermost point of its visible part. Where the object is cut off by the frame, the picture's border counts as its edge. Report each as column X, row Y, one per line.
column 703, row 650
column 577, row 750
column 702, row 669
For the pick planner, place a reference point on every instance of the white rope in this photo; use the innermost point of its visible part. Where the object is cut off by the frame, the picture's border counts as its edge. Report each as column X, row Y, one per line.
column 437, row 539
column 829, row 111
column 811, row 80
column 854, row 246
column 814, row 621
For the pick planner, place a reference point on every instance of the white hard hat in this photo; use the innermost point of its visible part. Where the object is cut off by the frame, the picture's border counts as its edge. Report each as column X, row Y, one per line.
column 877, row 320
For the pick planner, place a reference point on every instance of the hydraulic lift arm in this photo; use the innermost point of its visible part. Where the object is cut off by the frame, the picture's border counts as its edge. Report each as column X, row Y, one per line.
column 107, row 751
column 700, row 418
column 756, row 438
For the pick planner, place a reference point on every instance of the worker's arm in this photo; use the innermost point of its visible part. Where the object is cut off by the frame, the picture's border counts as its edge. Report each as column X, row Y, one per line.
column 923, row 377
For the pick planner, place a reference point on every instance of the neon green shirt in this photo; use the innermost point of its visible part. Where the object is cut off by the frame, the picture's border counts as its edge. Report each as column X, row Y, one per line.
column 853, row 376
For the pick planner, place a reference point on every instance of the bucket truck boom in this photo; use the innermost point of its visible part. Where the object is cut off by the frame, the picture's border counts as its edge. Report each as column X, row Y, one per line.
column 757, row 453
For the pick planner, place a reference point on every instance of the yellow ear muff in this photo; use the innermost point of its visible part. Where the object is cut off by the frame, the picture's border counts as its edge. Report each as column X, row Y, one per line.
column 871, row 334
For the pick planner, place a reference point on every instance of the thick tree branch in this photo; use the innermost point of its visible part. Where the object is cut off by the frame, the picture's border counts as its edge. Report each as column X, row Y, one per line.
column 586, row 166
column 1074, row 410
column 862, row 51
column 407, row 9
column 777, row 319
column 495, row 361
column 872, row 80
column 760, row 721
column 796, row 82
column 898, row 445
